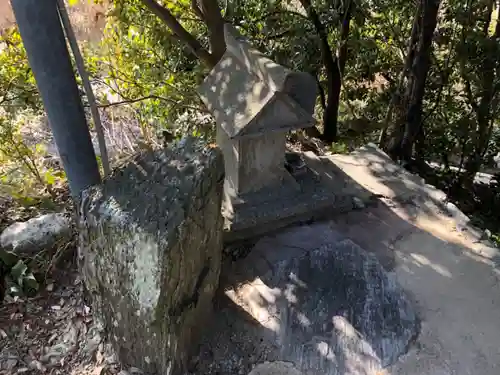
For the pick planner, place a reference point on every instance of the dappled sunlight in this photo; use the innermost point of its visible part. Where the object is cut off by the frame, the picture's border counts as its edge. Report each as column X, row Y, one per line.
column 445, row 270
column 341, row 345
column 255, row 298
column 423, row 261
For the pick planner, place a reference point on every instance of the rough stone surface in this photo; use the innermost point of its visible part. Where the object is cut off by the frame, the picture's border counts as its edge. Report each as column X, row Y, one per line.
column 330, row 306
column 150, row 253
column 41, row 233
column 275, row 368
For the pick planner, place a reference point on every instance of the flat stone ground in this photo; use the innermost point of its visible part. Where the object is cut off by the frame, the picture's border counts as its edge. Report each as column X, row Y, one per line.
column 446, row 267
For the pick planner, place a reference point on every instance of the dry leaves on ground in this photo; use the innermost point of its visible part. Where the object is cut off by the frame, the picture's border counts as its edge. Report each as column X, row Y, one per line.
column 54, row 333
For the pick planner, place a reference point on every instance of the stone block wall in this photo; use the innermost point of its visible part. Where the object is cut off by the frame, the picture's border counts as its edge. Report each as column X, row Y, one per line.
column 150, row 253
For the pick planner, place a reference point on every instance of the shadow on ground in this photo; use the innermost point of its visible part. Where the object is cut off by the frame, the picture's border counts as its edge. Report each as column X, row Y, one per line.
column 447, row 278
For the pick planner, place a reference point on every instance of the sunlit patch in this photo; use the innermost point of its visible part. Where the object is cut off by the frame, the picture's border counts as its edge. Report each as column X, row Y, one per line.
column 424, row 261
column 303, row 320
column 257, row 299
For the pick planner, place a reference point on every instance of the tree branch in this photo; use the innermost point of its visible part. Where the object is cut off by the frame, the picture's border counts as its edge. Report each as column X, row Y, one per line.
column 193, row 44
column 197, row 10
column 149, row 97
column 215, row 23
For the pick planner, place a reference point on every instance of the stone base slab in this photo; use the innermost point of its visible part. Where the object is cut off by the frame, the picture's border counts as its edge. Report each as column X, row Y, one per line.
column 324, row 190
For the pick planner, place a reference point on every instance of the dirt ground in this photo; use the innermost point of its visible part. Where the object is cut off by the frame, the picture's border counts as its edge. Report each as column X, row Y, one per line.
column 54, row 332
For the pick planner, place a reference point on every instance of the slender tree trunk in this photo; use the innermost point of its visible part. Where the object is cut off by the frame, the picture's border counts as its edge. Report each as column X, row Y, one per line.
column 403, row 149
column 330, row 64
column 334, row 66
column 215, row 24
column 331, row 127
column 395, row 102
column 484, row 110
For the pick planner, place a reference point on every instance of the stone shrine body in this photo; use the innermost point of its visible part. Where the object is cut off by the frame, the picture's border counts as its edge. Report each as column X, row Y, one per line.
column 255, row 102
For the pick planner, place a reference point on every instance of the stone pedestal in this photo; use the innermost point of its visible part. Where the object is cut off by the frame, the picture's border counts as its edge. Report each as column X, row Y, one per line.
column 150, row 253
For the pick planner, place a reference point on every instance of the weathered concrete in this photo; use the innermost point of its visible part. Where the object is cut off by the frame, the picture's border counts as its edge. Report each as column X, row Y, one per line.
column 254, row 102
column 150, row 253
column 312, row 297
column 249, row 94
column 42, row 233
column 439, row 259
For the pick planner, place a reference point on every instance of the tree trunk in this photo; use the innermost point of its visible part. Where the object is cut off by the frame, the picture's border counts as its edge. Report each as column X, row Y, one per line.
column 331, row 127
column 215, row 24
column 330, row 115
column 330, row 64
column 403, row 148
column 334, row 66
column 395, row 103
column 484, row 110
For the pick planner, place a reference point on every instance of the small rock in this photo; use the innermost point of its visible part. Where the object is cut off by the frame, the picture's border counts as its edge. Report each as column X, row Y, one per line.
column 22, row 370
column 10, row 364
column 30, row 237
column 358, row 203
column 487, row 233
column 123, row 372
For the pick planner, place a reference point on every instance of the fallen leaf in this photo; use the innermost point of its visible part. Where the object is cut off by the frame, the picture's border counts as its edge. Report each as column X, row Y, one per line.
column 10, row 364
column 37, row 365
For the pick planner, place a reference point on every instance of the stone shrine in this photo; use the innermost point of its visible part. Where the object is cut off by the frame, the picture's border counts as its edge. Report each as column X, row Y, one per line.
column 255, row 102
column 249, row 96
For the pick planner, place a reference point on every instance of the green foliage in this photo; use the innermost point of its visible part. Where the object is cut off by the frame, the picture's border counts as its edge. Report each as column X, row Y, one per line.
column 139, row 61
column 340, row 148
column 23, row 174
column 18, row 270
column 24, row 279
column 17, row 85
